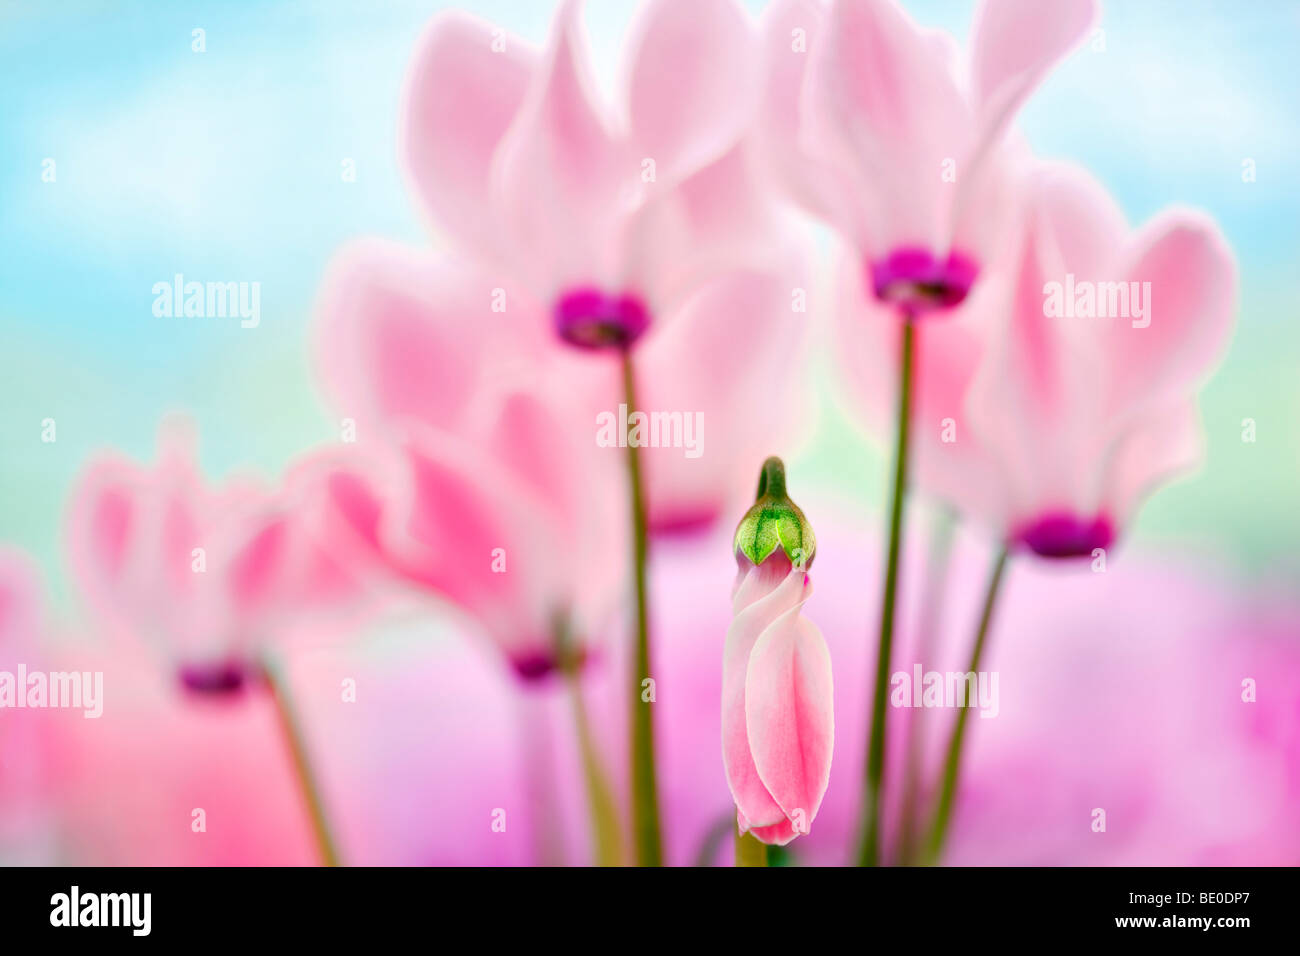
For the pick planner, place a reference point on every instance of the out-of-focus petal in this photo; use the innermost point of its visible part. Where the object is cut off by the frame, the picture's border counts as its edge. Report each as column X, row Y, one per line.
column 880, row 105
column 477, row 535
column 1014, row 44
column 466, row 85
column 561, row 178
column 403, row 334
column 1165, row 444
column 693, row 83
column 1190, row 308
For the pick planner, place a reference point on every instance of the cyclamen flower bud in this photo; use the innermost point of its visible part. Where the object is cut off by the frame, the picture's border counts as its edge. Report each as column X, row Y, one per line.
column 778, row 719
column 774, row 522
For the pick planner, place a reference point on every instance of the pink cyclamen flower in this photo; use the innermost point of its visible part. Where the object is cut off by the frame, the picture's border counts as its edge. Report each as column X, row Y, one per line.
column 584, row 229
column 778, row 723
column 471, row 479
column 875, row 131
column 206, row 574
column 606, row 218
column 1086, row 402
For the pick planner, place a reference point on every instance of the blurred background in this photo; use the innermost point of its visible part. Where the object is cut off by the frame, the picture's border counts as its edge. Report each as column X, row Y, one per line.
column 229, row 165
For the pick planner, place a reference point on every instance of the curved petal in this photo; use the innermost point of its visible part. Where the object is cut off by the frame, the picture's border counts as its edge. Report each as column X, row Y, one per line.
column 790, row 715
column 468, row 530
column 691, row 92
column 790, row 31
column 1164, row 445
column 1014, row 44
column 101, row 515
column 1187, row 278
column 880, row 105
column 465, row 87
column 763, row 596
column 403, row 334
column 561, row 179
column 716, row 220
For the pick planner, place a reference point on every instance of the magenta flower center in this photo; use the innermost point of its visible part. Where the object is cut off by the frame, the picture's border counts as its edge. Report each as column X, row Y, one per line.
column 1064, row 535
column 223, row 677
column 592, row 319
column 917, row 282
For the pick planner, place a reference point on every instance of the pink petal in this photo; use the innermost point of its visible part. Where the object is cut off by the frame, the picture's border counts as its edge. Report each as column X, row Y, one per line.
column 1014, row 44
column 693, row 83
column 461, row 96
column 789, row 715
column 402, row 335
column 764, row 594
column 461, row 506
column 716, row 220
column 881, row 106
column 101, row 516
column 790, row 29
column 560, row 176
column 1165, row 443
column 1193, row 280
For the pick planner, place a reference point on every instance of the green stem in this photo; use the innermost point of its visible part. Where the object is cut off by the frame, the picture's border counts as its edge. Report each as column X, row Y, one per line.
column 936, row 582
column 749, row 851
column 943, row 809
column 869, row 852
column 292, row 731
column 645, row 800
column 605, row 834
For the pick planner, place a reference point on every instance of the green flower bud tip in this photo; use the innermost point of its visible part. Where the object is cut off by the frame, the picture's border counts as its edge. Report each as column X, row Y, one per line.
column 774, row 522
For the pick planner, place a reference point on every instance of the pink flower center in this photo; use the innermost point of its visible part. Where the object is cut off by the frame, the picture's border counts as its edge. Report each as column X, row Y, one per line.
column 914, row 280
column 591, row 319
column 1064, row 535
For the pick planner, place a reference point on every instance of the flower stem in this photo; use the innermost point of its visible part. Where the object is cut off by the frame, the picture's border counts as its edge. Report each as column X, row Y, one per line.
column 749, row 851
column 278, row 685
column 645, row 799
column 605, row 835
column 869, row 851
column 936, row 583
column 943, row 810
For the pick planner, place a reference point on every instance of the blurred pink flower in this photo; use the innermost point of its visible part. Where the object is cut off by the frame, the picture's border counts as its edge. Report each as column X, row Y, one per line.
column 205, row 575
column 1072, row 417
column 578, row 228
column 872, row 128
column 607, row 219
column 505, row 517
column 778, row 724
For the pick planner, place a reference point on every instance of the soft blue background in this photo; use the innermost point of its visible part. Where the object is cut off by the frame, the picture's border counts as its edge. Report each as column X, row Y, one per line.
column 225, row 165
